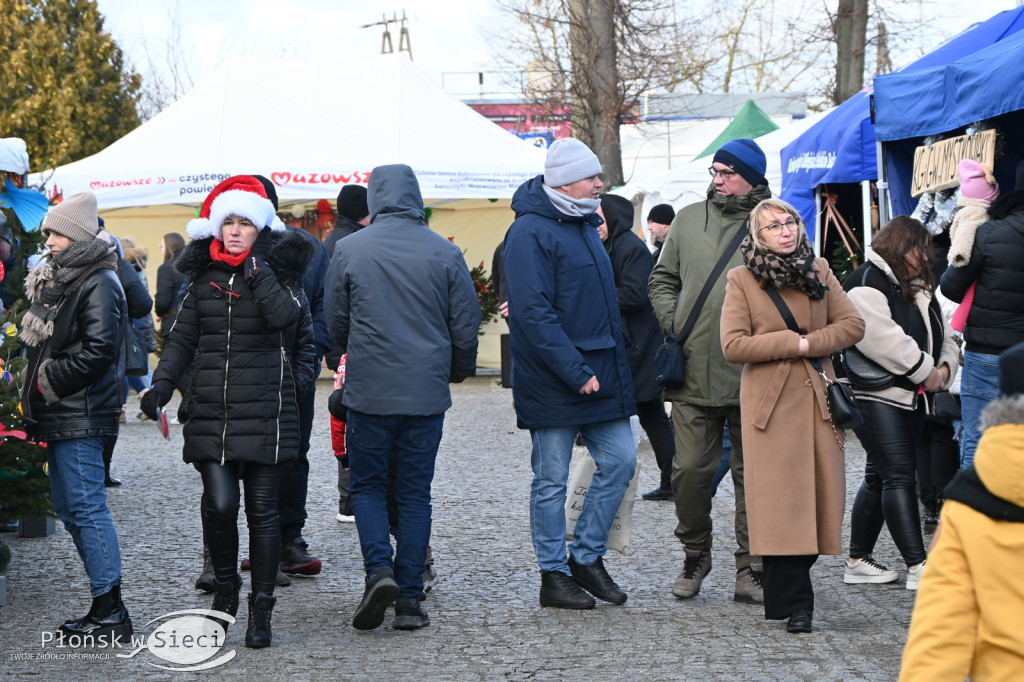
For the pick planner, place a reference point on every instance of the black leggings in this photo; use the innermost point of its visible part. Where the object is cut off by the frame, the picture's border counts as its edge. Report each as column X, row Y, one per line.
column 888, row 494
column 938, row 458
column 220, row 519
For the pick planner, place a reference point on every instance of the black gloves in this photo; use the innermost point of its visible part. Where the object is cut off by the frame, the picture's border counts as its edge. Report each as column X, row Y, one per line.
column 257, row 258
column 157, row 396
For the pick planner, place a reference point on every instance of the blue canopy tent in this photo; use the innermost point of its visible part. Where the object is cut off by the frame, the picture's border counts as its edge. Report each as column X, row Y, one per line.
column 842, row 147
column 946, row 96
column 838, row 148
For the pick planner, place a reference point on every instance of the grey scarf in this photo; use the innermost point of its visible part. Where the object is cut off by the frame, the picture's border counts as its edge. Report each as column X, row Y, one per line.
column 52, row 280
column 577, row 208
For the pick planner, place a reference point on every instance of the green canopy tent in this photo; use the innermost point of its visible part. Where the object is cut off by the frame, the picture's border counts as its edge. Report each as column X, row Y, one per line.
column 751, row 122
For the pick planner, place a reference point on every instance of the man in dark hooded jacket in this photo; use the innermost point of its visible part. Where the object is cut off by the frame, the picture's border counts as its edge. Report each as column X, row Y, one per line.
column 402, row 305
column 632, row 264
column 569, row 369
column 353, row 215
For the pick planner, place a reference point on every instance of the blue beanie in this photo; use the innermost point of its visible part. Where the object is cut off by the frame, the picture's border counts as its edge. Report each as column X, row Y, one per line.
column 746, row 158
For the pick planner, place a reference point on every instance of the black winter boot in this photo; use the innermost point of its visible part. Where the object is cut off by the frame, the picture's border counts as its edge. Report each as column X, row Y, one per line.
column 261, row 605
column 107, row 620
column 225, row 598
column 205, row 580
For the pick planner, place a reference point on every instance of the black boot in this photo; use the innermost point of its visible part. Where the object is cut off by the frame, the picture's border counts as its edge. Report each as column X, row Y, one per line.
column 261, row 605
column 107, row 619
column 205, row 580
column 561, row 591
column 225, row 598
column 595, row 579
column 108, row 480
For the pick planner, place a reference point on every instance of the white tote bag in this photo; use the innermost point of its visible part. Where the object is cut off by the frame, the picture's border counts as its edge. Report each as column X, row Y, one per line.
column 581, row 473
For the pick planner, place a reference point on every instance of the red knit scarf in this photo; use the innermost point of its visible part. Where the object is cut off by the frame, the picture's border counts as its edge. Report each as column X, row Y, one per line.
column 218, row 254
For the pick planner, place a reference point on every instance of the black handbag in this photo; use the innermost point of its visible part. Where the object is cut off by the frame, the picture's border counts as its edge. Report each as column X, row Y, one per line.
column 669, row 361
column 842, row 404
column 136, row 356
column 863, row 373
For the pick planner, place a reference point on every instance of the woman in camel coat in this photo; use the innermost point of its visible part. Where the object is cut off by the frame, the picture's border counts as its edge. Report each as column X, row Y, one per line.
column 793, row 466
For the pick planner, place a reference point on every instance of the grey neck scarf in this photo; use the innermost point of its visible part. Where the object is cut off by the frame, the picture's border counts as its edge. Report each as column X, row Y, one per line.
column 577, row 208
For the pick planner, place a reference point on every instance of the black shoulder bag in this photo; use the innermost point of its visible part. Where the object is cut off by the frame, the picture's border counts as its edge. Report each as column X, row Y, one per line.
column 861, row 371
column 669, row 363
column 842, row 405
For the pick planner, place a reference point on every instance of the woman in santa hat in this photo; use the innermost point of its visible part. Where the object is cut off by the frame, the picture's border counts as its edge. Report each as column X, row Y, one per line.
column 244, row 330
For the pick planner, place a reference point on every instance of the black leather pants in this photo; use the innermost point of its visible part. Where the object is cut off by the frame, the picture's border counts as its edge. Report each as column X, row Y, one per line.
column 220, row 518
column 889, row 491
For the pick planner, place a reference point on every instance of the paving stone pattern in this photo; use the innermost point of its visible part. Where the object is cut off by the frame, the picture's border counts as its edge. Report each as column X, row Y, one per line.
column 486, row 622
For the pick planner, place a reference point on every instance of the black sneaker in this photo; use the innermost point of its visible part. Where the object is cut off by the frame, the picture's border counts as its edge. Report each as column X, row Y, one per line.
column 931, row 522
column 658, row 494
column 295, row 559
column 409, row 615
column 380, row 592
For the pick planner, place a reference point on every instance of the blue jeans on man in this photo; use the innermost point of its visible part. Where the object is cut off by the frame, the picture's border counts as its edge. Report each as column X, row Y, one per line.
column 76, row 481
column 612, row 446
column 979, row 385
column 371, row 439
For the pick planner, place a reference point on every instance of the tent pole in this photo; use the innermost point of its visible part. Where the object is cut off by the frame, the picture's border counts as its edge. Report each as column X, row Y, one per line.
column 884, row 208
column 865, row 207
column 818, row 245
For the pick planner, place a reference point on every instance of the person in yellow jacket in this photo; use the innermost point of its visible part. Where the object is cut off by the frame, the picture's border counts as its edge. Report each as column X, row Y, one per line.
column 966, row 622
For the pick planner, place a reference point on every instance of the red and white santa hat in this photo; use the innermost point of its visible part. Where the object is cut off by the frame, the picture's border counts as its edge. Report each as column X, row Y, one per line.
column 240, row 195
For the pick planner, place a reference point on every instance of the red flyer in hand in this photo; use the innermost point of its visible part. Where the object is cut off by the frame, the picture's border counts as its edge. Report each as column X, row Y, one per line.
column 161, row 423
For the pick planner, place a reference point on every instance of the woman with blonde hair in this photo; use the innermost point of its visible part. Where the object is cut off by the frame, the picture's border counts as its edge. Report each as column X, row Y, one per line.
column 793, row 453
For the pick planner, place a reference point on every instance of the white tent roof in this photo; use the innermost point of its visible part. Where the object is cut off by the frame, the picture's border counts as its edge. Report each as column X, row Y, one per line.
column 310, row 126
column 689, row 183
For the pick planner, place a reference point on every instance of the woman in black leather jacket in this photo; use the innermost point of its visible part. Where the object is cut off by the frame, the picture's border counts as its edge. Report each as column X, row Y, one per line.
column 72, row 398
column 906, row 334
column 245, row 331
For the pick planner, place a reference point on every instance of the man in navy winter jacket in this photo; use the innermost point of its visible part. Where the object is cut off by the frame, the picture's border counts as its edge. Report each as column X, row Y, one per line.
column 569, row 369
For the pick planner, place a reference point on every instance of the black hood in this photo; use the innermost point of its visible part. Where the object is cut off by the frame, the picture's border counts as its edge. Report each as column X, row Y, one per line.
column 618, row 215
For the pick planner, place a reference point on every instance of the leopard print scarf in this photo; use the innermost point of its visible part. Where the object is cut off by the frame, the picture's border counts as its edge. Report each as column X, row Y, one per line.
column 795, row 270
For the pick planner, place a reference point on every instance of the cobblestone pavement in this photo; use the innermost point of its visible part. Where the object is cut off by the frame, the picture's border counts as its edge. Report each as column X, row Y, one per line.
column 486, row 622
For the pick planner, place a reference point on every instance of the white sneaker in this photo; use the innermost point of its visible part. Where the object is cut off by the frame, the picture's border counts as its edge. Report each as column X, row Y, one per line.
column 867, row 570
column 341, row 518
column 914, row 576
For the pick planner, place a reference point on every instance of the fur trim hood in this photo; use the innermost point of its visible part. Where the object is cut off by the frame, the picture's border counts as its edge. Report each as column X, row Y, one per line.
column 289, row 257
column 999, row 459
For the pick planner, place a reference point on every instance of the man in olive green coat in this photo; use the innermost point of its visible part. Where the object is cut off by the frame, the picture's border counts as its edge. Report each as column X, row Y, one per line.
column 699, row 235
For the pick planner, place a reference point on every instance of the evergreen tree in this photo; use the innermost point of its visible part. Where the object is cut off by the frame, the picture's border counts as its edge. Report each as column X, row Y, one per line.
column 64, row 87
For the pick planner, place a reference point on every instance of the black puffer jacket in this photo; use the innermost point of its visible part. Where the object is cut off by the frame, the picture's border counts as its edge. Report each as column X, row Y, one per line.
column 168, row 284
column 996, row 320
column 79, row 363
column 249, row 345
column 632, row 264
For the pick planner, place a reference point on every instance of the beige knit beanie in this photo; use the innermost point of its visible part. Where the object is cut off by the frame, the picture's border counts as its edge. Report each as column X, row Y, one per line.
column 74, row 218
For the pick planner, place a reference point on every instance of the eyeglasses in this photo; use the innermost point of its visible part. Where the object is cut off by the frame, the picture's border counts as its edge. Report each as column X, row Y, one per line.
column 726, row 174
column 776, row 228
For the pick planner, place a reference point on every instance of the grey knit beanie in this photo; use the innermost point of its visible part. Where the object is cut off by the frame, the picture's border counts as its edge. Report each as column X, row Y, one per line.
column 74, row 218
column 569, row 161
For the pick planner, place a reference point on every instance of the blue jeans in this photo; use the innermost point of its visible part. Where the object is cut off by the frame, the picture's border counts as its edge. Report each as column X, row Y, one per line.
column 414, row 440
column 80, row 500
column 979, row 385
column 612, row 447
column 295, row 481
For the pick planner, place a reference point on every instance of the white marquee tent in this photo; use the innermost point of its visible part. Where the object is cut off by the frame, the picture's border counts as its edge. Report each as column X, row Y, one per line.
column 310, row 126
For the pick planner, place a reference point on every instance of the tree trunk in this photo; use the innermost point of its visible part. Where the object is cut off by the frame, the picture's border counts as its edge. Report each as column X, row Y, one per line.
column 851, row 27
column 596, row 102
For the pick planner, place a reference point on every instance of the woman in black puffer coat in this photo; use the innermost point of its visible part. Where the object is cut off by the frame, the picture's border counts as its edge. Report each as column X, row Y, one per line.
column 245, row 332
